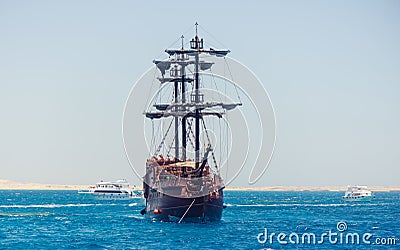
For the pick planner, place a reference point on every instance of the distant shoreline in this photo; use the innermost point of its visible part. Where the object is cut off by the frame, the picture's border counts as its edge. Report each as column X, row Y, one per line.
column 11, row 185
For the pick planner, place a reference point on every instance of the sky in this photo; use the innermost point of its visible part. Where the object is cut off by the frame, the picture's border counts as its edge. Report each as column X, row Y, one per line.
column 331, row 69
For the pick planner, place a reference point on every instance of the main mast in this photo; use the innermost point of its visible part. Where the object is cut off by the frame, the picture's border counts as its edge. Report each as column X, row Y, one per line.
column 183, row 87
column 176, row 90
column 197, row 45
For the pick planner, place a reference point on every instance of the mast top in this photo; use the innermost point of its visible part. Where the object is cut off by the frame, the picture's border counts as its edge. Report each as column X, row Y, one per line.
column 196, row 47
column 195, row 43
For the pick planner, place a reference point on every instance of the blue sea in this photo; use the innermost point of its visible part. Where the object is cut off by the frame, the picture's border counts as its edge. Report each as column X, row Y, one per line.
column 252, row 220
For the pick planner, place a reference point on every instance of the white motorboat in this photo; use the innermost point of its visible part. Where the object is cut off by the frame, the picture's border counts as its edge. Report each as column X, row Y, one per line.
column 119, row 189
column 357, row 193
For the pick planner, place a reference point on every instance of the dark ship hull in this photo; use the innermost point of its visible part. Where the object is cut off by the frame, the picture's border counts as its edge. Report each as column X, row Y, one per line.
column 174, row 192
column 199, row 209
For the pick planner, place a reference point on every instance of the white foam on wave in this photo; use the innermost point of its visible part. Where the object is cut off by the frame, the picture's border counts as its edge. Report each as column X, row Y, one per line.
column 138, row 217
column 251, row 205
column 47, row 205
column 23, row 214
column 298, row 205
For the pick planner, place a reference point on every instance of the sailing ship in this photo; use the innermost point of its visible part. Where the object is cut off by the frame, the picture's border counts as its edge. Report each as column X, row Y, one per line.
column 179, row 188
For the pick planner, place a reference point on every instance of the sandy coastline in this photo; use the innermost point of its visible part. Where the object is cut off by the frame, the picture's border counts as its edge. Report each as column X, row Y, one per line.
column 11, row 185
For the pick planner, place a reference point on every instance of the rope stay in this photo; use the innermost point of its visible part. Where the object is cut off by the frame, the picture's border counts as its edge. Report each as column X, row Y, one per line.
column 190, row 133
column 209, row 142
column 163, row 139
column 234, row 85
column 187, row 210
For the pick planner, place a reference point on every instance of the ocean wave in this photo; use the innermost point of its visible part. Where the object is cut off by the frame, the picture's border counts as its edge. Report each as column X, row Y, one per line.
column 49, row 205
column 23, row 214
column 250, row 205
column 137, row 217
column 298, row 205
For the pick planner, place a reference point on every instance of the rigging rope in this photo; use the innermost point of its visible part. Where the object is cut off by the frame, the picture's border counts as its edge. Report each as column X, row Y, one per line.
column 215, row 39
column 190, row 132
column 179, row 39
column 152, row 136
column 187, row 210
column 170, row 146
column 209, row 142
column 220, row 142
column 227, row 149
column 234, row 85
column 215, row 83
column 151, row 86
column 163, row 139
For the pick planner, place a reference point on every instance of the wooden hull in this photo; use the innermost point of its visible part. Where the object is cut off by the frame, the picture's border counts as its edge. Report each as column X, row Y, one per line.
column 194, row 209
